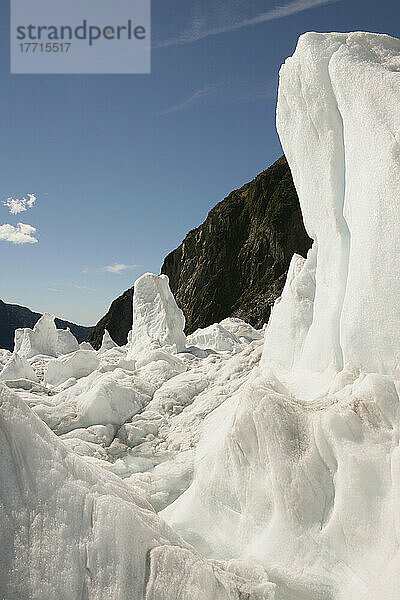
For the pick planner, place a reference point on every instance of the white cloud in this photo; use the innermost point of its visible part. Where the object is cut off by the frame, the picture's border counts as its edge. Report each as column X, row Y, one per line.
column 200, row 30
column 118, row 268
column 21, row 234
column 18, row 205
column 31, row 201
column 15, row 206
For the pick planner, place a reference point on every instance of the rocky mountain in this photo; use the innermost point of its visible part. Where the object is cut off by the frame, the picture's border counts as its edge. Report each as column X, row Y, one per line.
column 235, row 263
column 13, row 317
column 118, row 321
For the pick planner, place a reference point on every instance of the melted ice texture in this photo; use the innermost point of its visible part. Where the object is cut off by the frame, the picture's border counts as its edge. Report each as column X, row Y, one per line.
column 233, row 464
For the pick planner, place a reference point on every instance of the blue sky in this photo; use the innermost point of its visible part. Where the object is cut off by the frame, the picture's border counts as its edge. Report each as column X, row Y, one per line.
column 123, row 166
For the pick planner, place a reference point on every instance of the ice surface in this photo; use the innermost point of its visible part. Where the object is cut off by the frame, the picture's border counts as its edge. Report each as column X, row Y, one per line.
column 72, row 530
column 306, row 490
column 86, row 346
column 280, row 477
column 215, row 337
column 5, row 355
column 78, row 364
column 17, row 367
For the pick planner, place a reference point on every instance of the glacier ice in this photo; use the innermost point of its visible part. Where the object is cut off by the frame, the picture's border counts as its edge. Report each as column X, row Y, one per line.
column 271, row 457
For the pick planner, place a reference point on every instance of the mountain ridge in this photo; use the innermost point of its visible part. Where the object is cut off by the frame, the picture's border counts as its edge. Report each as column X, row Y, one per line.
column 14, row 316
column 232, row 265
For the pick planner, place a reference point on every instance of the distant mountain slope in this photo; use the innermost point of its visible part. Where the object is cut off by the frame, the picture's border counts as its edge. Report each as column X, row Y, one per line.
column 235, row 263
column 118, row 321
column 13, row 317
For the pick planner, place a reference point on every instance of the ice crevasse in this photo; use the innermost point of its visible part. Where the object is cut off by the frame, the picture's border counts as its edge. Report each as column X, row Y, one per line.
column 295, row 489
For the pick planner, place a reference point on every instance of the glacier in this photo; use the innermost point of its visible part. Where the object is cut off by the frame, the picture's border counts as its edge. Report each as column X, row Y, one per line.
column 234, row 463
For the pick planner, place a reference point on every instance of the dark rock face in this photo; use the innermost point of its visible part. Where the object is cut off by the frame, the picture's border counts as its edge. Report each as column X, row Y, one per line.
column 235, row 263
column 118, row 321
column 13, row 317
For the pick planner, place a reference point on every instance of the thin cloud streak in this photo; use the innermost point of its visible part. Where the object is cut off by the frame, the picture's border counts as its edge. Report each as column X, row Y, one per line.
column 197, row 98
column 279, row 12
column 207, row 95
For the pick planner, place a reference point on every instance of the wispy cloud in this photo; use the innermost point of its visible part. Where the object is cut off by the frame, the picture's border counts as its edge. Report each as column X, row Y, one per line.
column 54, row 290
column 200, row 29
column 224, row 92
column 21, row 234
column 198, row 97
column 118, row 268
column 83, row 287
column 19, row 205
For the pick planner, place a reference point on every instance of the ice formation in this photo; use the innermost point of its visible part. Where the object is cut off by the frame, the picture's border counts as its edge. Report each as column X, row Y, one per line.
column 107, row 342
column 45, row 339
column 157, row 320
column 339, row 121
column 271, row 457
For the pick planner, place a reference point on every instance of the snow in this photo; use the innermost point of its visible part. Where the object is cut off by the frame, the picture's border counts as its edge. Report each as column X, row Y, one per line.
column 235, row 463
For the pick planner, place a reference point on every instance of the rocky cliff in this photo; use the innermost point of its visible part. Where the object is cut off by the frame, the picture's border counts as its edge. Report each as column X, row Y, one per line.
column 235, row 263
column 118, row 321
